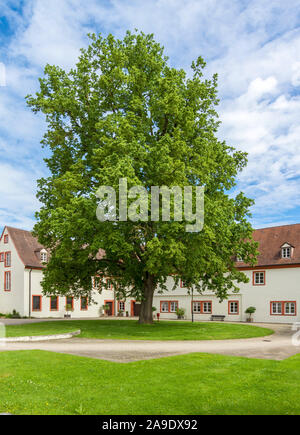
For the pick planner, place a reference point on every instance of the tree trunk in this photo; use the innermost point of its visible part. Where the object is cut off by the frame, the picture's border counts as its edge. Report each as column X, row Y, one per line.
column 146, row 313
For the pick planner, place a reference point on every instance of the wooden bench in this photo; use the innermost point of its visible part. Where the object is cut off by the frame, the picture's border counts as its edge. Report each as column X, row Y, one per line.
column 219, row 318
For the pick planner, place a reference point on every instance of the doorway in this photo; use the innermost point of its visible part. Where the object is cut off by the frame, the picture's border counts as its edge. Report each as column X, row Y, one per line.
column 111, row 310
column 135, row 309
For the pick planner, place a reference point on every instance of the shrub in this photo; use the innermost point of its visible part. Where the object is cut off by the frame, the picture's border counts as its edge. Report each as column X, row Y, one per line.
column 180, row 313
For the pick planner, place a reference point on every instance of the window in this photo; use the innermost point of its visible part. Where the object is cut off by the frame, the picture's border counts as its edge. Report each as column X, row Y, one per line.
column 54, row 303
column 109, row 284
column 7, row 259
column 206, row 307
column 202, row 307
column 182, row 284
column 276, row 308
column 96, row 282
column 173, row 307
column 282, row 308
column 168, row 306
column 290, row 308
column 164, row 307
column 44, row 256
column 1, row 257
column 7, row 281
column 6, row 238
column 233, row 307
column 84, row 303
column 70, row 301
column 259, row 278
column 286, row 252
column 36, row 303
column 121, row 306
column 197, row 307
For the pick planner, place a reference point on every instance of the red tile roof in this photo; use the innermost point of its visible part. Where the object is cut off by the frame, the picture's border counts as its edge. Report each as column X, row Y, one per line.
column 27, row 247
column 270, row 242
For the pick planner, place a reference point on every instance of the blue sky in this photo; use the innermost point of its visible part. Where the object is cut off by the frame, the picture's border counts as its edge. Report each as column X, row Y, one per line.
column 254, row 46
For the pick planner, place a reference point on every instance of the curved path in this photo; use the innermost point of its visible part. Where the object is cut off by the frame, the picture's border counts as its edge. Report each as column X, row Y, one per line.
column 278, row 347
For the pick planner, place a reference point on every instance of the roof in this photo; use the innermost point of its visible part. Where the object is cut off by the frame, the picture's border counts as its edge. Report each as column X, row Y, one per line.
column 270, row 242
column 27, row 247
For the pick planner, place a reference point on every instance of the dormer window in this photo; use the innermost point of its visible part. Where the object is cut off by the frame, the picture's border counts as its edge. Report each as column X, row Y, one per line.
column 286, row 251
column 44, row 256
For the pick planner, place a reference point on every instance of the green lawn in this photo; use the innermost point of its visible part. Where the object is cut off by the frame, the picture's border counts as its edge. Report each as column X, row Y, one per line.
column 37, row 382
column 131, row 330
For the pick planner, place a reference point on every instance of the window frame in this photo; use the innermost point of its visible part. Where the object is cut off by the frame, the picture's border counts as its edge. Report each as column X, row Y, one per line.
column 6, row 239
column 161, row 305
column 290, row 303
column 169, row 306
column 284, row 250
column 87, row 303
column 41, row 304
column 176, row 306
column 201, row 307
column 71, row 297
column 119, row 306
column 57, row 303
column 196, row 302
column 42, row 254
column 5, row 259
column 230, row 313
column 7, row 273
column 2, row 257
column 111, row 287
column 283, row 308
column 96, row 286
column 254, row 275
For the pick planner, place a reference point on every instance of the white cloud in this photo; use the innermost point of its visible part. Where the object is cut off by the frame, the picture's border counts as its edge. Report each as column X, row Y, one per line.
column 16, row 193
column 254, row 46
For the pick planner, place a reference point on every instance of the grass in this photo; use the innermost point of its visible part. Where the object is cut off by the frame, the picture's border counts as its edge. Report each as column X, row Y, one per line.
column 38, row 382
column 131, row 330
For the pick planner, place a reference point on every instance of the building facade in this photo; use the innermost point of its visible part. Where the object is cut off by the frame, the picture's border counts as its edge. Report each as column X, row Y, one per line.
column 273, row 288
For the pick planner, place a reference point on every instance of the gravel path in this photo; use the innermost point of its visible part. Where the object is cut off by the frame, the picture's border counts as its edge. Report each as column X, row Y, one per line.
column 277, row 347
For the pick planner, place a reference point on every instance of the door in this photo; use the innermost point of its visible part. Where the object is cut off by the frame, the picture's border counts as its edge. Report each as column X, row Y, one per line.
column 110, row 304
column 136, row 309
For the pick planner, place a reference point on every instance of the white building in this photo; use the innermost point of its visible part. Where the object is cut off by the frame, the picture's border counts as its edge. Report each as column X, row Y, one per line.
column 22, row 261
column 273, row 288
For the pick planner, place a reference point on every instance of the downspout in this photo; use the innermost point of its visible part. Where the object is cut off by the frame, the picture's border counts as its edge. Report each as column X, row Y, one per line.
column 193, row 304
column 29, row 306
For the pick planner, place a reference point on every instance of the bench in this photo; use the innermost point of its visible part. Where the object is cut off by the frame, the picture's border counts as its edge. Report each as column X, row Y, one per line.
column 217, row 318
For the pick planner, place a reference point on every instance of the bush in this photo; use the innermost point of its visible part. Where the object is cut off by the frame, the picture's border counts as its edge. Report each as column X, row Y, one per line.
column 180, row 313
column 250, row 310
column 13, row 315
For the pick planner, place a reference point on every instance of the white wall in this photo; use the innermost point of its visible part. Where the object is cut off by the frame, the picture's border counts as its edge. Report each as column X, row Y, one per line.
column 12, row 300
column 281, row 284
column 92, row 311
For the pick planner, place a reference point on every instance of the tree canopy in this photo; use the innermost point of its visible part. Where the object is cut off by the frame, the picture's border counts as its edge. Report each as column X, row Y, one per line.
column 124, row 112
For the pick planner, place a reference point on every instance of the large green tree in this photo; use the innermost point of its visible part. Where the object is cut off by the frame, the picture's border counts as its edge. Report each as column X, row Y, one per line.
column 123, row 112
